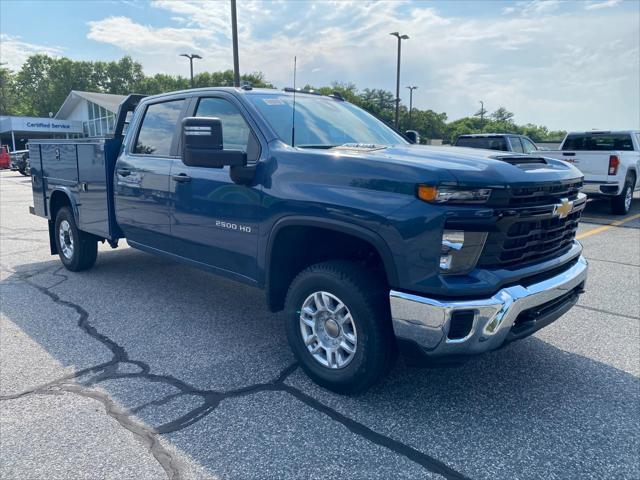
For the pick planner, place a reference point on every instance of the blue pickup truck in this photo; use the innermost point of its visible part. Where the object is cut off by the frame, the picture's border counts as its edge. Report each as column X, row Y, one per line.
column 370, row 244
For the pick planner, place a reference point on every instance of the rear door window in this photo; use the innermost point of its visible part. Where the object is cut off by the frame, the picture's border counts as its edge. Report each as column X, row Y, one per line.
column 516, row 145
column 529, row 146
column 158, row 128
column 598, row 142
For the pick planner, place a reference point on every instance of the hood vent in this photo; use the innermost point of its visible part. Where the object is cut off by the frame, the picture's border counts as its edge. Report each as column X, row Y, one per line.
column 520, row 160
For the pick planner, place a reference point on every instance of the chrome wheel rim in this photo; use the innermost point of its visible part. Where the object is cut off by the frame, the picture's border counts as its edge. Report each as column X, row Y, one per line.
column 66, row 239
column 328, row 330
column 627, row 199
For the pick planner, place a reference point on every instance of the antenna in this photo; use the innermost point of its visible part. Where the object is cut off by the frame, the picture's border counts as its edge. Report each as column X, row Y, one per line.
column 293, row 119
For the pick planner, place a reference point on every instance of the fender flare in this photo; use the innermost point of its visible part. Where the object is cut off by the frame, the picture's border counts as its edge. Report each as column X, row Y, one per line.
column 357, row 231
column 72, row 200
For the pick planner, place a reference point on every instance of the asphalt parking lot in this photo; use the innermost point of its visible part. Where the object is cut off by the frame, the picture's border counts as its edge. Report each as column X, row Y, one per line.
column 142, row 368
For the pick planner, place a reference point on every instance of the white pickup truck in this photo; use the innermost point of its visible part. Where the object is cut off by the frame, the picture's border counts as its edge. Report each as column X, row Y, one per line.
column 609, row 161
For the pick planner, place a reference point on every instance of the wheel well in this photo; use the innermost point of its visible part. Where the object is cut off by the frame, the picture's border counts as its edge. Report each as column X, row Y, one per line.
column 58, row 200
column 298, row 247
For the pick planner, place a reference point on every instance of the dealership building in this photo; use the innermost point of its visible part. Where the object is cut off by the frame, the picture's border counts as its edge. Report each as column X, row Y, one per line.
column 83, row 114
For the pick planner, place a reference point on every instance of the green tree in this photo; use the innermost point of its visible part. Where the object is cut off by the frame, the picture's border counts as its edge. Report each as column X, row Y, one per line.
column 33, row 83
column 9, row 101
column 502, row 115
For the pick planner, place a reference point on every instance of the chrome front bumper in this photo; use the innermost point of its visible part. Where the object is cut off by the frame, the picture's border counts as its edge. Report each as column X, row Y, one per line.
column 426, row 322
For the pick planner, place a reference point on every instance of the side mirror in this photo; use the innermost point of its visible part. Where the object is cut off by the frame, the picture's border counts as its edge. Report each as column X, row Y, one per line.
column 412, row 136
column 202, row 144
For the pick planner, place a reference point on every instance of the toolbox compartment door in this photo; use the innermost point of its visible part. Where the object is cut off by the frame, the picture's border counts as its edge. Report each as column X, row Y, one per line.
column 92, row 193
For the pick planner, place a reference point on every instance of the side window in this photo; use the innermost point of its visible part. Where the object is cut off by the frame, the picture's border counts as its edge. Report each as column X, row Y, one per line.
column 235, row 131
column 528, row 145
column 158, row 127
column 516, row 145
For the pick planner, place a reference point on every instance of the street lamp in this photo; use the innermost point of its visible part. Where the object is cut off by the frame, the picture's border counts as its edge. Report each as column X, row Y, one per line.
column 411, row 89
column 191, row 57
column 400, row 38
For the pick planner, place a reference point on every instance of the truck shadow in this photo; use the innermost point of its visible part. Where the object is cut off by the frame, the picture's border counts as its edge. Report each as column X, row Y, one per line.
column 181, row 346
column 598, row 211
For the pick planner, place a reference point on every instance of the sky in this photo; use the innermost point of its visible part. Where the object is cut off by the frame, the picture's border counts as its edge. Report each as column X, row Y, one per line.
column 569, row 65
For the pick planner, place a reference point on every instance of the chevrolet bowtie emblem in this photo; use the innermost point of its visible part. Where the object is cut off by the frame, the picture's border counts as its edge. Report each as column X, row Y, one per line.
column 562, row 209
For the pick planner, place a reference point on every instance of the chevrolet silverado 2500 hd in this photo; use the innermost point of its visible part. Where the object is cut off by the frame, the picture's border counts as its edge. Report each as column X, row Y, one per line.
column 369, row 244
column 610, row 162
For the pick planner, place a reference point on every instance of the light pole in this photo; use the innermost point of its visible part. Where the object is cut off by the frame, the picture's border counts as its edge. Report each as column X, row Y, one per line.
column 400, row 38
column 191, row 57
column 234, row 35
column 411, row 89
column 482, row 112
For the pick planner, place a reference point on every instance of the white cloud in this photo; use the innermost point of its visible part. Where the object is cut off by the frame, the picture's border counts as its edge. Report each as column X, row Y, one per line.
column 549, row 66
column 133, row 37
column 599, row 5
column 14, row 51
column 531, row 8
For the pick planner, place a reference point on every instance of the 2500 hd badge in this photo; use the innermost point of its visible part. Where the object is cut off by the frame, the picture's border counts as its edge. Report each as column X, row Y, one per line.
column 233, row 226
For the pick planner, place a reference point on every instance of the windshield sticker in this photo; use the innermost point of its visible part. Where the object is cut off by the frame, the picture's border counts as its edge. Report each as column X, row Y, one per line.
column 273, row 101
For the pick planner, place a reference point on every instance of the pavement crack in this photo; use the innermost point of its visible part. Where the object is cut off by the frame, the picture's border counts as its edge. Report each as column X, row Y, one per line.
column 145, row 434
column 429, row 463
column 119, row 353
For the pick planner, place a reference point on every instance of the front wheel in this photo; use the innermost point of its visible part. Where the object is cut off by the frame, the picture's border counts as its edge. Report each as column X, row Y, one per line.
column 339, row 327
column 621, row 204
column 77, row 250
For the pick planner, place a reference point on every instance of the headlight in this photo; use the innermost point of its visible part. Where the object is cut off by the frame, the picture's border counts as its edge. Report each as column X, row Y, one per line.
column 460, row 251
column 445, row 194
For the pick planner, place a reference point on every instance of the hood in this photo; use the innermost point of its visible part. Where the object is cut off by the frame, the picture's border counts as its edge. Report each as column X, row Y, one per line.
column 469, row 166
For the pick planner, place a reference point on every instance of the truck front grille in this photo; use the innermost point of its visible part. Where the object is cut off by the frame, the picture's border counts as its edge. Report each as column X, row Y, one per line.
column 530, row 236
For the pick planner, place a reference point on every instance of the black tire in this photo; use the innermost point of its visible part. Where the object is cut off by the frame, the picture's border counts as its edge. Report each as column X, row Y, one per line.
column 366, row 298
column 23, row 171
column 84, row 251
column 620, row 204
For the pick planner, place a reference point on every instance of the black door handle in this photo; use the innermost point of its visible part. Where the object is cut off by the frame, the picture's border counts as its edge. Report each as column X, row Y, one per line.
column 181, row 177
column 124, row 172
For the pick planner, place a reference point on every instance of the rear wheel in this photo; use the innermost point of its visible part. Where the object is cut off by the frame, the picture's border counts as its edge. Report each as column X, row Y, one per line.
column 77, row 250
column 621, row 204
column 338, row 326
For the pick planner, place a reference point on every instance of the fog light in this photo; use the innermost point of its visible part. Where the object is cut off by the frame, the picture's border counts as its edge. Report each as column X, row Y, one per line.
column 452, row 240
column 460, row 250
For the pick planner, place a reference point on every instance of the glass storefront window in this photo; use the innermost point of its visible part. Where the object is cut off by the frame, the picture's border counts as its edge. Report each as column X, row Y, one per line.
column 101, row 121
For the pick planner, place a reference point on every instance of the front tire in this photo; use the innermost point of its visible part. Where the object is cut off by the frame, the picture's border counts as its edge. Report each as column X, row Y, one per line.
column 339, row 327
column 77, row 250
column 621, row 204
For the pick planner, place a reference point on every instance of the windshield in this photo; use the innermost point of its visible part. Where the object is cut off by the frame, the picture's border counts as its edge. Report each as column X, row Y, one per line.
column 322, row 122
column 490, row 143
